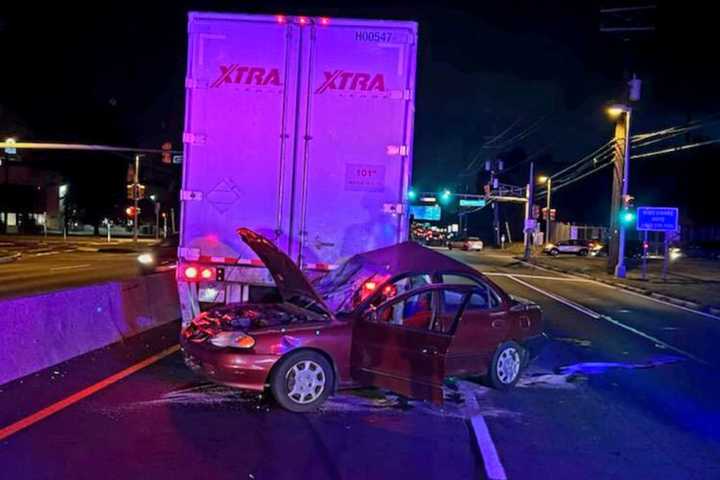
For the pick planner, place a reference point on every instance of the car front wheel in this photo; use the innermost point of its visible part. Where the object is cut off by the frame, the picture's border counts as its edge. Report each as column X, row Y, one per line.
column 583, row 253
column 554, row 252
column 505, row 366
column 302, row 381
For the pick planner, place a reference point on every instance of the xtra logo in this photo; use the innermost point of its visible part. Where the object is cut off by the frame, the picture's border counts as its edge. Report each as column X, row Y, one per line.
column 340, row 80
column 247, row 75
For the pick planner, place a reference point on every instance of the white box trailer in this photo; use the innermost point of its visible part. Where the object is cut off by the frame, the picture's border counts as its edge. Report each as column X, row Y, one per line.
column 299, row 128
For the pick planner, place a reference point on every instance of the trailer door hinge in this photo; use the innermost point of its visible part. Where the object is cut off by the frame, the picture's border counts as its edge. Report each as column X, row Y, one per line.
column 194, row 138
column 190, row 195
column 393, row 208
column 397, row 150
column 191, row 254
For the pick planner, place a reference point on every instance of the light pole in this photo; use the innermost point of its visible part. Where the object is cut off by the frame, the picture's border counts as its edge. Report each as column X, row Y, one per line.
column 548, row 181
column 136, row 197
column 622, row 113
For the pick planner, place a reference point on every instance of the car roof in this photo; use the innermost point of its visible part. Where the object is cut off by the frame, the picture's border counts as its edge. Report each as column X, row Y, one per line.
column 410, row 257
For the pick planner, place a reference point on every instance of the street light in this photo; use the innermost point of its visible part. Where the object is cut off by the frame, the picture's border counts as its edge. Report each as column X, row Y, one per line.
column 547, row 180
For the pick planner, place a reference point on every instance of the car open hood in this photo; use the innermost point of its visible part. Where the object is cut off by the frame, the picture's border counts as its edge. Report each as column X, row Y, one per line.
column 289, row 279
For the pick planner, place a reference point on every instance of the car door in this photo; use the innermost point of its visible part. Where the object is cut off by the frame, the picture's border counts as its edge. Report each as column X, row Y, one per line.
column 484, row 323
column 394, row 346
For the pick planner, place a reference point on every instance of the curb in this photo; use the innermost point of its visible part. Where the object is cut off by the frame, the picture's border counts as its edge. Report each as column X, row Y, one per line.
column 674, row 300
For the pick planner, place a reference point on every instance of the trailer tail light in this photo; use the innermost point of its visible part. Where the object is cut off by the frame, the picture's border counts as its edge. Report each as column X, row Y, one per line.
column 280, row 18
column 324, row 21
column 303, row 20
column 208, row 274
column 189, row 273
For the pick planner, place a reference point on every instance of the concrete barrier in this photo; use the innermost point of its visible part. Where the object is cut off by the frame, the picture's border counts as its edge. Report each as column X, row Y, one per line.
column 39, row 331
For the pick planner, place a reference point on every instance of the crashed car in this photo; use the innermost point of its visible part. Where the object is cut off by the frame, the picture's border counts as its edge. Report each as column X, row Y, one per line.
column 402, row 318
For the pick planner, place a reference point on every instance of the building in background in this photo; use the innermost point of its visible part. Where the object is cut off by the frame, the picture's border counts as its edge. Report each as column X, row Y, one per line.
column 31, row 199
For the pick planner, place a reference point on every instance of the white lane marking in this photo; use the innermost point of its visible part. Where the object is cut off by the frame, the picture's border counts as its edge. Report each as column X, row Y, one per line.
column 657, row 300
column 630, row 292
column 493, row 467
column 538, row 277
column 598, row 316
column 558, row 298
column 69, row 267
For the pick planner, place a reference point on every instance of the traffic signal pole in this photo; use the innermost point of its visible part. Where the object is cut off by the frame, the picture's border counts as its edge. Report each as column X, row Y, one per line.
column 547, row 211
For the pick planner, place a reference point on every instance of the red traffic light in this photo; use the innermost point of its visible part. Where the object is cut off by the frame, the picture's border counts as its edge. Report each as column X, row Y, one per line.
column 132, row 212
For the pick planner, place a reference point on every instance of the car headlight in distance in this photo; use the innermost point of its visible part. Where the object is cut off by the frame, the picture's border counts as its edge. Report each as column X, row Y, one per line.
column 675, row 253
column 146, row 258
column 233, row 340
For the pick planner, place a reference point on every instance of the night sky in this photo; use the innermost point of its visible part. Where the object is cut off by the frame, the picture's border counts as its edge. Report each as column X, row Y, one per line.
column 114, row 74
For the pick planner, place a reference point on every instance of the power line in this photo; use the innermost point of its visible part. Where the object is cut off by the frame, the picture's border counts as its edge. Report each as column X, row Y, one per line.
column 676, row 149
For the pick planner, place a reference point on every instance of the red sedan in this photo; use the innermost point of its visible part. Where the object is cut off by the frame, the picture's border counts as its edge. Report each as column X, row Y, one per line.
column 402, row 317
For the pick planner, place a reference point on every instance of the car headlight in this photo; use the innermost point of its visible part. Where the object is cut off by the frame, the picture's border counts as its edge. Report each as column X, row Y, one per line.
column 233, row 340
column 548, row 246
column 146, row 258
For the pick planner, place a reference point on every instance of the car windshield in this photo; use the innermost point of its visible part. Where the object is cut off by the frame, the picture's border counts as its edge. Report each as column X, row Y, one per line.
column 338, row 287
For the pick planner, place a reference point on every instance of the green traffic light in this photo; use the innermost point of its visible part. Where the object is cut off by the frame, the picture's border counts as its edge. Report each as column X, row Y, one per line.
column 627, row 217
column 445, row 195
column 412, row 194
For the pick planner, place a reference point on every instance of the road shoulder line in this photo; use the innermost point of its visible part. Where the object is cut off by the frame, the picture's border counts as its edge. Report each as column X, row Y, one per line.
column 491, row 460
column 42, row 414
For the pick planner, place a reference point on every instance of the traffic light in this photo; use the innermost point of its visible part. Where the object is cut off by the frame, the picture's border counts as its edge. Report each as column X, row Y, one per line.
column 412, row 194
column 166, row 154
column 445, row 196
column 132, row 212
column 628, row 202
column 627, row 217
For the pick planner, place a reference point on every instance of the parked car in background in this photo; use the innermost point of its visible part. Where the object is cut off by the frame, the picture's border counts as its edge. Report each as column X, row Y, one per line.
column 573, row 247
column 161, row 256
column 466, row 243
column 403, row 317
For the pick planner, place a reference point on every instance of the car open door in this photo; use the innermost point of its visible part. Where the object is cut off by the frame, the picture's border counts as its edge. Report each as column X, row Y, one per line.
column 394, row 347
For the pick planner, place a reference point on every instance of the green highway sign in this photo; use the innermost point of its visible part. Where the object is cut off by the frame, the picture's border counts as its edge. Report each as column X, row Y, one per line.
column 474, row 202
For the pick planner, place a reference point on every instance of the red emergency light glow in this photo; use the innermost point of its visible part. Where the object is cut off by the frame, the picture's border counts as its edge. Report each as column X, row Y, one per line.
column 303, row 20
column 389, row 291
column 324, row 21
column 280, row 18
column 370, row 286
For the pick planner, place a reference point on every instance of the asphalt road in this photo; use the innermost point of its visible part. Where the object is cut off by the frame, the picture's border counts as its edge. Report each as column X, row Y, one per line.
column 626, row 389
column 57, row 269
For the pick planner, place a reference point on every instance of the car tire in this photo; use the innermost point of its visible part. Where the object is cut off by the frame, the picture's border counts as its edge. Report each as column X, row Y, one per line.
column 554, row 252
column 583, row 252
column 305, row 366
column 506, row 366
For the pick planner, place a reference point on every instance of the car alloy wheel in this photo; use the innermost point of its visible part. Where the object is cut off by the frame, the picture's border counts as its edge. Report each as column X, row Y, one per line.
column 305, row 382
column 506, row 365
column 554, row 252
column 302, row 380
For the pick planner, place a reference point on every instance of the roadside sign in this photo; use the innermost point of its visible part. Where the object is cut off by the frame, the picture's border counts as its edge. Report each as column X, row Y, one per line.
column 472, row 202
column 657, row 219
column 425, row 212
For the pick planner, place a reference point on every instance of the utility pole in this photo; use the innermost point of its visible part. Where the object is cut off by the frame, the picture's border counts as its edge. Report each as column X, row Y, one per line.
column 528, row 210
column 616, row 247
column 495, row 166
column 136, row 196
column 157, row 220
